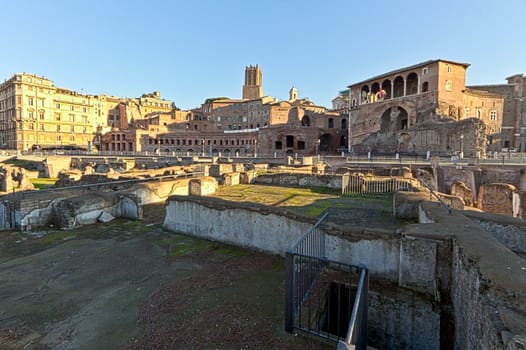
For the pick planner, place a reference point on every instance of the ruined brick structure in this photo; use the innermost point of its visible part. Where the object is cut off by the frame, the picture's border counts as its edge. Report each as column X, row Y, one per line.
column 425, row 107
column 253, row 125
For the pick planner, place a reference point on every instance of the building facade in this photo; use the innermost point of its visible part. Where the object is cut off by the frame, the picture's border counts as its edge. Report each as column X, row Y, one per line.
column 513, row 128
column 423, row 108
column 35, row 114
column 255, row 124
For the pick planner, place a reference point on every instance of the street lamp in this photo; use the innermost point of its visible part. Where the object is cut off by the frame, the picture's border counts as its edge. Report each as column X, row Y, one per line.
column 203, row 147
column 318, row 141
column 255, row 148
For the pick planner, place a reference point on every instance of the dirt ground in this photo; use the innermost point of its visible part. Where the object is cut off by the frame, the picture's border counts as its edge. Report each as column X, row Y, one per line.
column 132, row 285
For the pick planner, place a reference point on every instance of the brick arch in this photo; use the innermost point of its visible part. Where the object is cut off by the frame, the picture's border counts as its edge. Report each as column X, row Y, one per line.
column 326, row 141
column 398, row 86
column 411, row 82
column 394, row 118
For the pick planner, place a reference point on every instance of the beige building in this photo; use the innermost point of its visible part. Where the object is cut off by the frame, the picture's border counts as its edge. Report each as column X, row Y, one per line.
column 35, row 114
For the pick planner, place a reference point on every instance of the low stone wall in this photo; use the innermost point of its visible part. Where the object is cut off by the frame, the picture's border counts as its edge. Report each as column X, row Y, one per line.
column 302, row 180
column 30, row 210
column 487, row 282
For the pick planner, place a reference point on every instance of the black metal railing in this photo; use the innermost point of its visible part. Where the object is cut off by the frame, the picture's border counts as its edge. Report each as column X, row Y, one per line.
column 321, row 294
column 357, row 334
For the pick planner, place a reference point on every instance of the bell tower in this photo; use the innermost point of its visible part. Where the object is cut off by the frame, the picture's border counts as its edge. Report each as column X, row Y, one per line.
column 252, row 89
column 293, row 94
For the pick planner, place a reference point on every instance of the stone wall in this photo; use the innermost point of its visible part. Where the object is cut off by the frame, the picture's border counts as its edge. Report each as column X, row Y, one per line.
column 401, row 319
column 487, row 283
column 499, row 198
column 302, row 180
column 460, row 189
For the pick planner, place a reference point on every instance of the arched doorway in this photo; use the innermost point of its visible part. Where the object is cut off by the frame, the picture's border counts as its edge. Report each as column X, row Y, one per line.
column 364, row 92
column 385, row 121
column 386, row 86
column 398, row 87
column 325, row 143
column 412, row 84
column 305, row 121
column 401, row 118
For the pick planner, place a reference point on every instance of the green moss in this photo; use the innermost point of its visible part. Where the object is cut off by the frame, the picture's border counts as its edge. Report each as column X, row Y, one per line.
column 41, row 183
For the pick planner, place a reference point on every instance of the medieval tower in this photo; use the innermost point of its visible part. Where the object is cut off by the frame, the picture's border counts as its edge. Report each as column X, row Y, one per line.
column 252, row 89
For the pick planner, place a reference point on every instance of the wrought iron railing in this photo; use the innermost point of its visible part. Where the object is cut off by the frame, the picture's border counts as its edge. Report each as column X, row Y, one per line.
column 321, row 294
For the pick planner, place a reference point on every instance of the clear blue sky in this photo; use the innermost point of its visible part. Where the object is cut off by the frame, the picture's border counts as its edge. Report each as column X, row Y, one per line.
column 190, row 50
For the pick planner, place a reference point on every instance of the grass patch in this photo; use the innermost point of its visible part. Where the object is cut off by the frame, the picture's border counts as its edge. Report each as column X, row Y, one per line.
column 229, row 251
column 42, row 183
column 179, row 245
column 54, row 237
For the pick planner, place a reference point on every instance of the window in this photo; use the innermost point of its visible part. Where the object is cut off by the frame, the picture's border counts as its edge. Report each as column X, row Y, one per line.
column 290, row 141
column 42, row 102
column 301, row 144
column 449, row 69
column 41, row 115
column 31, row 115
column 425, row 87
column 279, row 145
column 468, row 112
column 72, row 128
column 425, row 71
column 493, row 115
column 72, row 108
column 57, row 106
column 331, row 123
column 59, row 138
column 30, row 101
column 449, row 85
column 58, row 127
column 57, row 116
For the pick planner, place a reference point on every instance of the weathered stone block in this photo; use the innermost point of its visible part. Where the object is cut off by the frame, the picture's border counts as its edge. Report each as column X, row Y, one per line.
column 418, row 258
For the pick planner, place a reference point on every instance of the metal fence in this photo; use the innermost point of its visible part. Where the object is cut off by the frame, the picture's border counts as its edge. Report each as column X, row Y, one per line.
column 375, row 184
column 321, row 294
